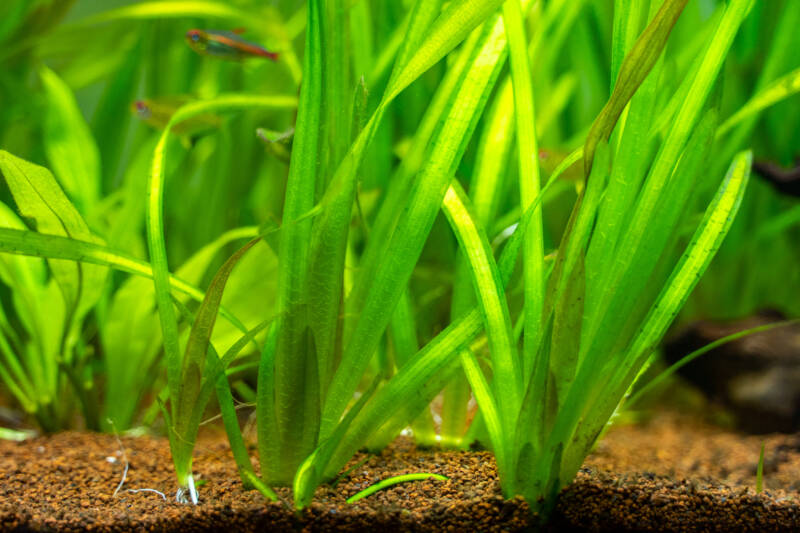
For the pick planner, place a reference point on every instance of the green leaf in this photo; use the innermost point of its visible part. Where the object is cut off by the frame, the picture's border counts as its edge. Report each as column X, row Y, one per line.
column 778, row 90
column 701, row 249
column 185, row 430
column 68, row 142
column 528, row 159
column 394, row 480
column 61, row 248
column 42, row 202
column 174, row 8
column 406, row 244
column 506, row 370
column 155, row 214
column 458, row 19
column 291, row 355
column 634, row 70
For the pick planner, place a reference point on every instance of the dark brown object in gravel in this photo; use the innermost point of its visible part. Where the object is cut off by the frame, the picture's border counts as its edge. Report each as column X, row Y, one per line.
column 757, row 377
column 673, row 474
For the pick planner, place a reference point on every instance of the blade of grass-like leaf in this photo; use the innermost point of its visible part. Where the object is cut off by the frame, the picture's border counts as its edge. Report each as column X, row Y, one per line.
column 457, row 20
column 626, row 178
column 331, row 237
column 430, row 361
column 688, row 358
column 236, row 440
column 699, row 252
column 402, row 179
column 266, row 422
column 293, row 267
column 778, row 90
column 528, row 180
column 403, row 330
column 185, row 424
column 506, row 370
column 155, row 222
column 487, row 402
column 486, row 190
column 111, row 118
column 31, row 243
column 663, row 167
column 410, row 413
column 634, row 70
column 409, row 237
column 447, row 31
column 394, row 480
column 627, row 21
column 174, row 8
column 310, row 473
column 336, row 96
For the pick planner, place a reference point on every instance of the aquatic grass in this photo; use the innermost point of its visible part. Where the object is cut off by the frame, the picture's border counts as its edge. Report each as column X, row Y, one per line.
column 760, row 471
column 394, row 480
column 421, row 240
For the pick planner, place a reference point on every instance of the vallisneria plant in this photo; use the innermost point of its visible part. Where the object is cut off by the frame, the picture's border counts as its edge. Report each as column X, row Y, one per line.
column 557, row 300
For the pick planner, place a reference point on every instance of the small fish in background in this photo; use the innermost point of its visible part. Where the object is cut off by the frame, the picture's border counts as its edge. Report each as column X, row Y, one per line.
column 786, row 181
column 226, row 45
column 156, row 113
column 277, row 143
column 549, row 159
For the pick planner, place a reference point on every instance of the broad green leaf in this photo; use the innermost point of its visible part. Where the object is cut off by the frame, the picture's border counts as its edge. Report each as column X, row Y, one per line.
column 62, row 248
column 68, row 142
column 41, row 201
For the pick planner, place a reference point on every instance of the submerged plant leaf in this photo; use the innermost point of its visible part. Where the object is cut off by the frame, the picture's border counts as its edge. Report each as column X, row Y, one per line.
column 42, row 202
column 291, row 354
column 634, row 70
column 69, row 144
column 185, row 419
column 778, row 90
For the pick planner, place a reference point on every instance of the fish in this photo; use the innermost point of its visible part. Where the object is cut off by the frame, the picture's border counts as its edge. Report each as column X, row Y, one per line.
column 550, row 158
column 226, row 45
column 156, row 113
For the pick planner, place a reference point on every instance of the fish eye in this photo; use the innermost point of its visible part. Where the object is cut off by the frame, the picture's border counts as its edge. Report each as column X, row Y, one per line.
column 195, row 37
column 142, row 109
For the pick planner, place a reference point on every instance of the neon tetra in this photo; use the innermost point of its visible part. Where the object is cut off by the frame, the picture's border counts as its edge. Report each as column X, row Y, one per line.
column 225, row 45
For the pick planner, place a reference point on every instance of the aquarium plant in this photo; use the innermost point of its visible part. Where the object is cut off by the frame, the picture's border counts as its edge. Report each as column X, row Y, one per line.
column 439, row 204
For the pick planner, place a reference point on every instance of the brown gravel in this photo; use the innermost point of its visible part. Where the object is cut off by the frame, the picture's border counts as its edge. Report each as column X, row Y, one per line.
column 671, row 474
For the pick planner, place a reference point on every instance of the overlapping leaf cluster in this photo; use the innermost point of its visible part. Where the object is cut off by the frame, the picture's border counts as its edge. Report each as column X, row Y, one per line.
column 410, row 250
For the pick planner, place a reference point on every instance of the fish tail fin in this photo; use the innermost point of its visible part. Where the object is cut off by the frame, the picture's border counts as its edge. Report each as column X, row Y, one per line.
column 262, row 52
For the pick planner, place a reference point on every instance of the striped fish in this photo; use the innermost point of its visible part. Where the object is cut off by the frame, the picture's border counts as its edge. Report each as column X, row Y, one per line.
column 225, row 45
